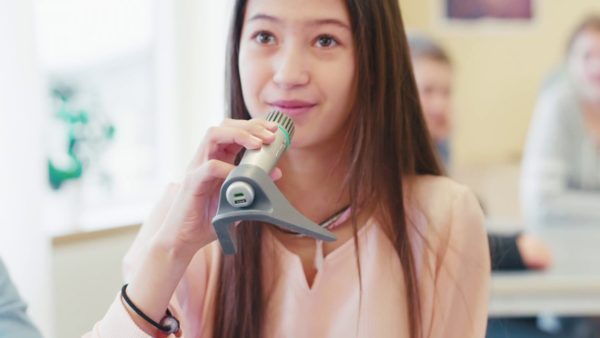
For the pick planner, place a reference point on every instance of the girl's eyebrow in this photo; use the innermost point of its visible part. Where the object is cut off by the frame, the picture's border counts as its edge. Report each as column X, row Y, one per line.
column 335, row 22
column 313, row 22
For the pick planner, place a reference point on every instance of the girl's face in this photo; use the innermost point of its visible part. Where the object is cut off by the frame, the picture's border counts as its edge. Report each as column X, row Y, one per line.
column 434, row 82
column 585, row 63
column 297, row 56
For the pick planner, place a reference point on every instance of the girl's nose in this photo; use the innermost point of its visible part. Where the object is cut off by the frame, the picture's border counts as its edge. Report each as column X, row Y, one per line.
column 291, row 68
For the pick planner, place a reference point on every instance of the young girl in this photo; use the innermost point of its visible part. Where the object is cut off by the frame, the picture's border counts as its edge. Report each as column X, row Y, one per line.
column 411, row 258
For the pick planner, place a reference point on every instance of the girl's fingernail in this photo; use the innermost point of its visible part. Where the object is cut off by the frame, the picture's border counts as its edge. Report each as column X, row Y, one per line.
column 256, row 141
column 267, row 133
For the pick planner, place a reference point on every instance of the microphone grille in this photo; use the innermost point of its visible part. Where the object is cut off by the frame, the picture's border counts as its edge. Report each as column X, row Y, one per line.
column 282, row 120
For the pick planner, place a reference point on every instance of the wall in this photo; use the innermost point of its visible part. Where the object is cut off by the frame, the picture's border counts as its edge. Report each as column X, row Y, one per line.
column 87, row 276
column 201, row 28
column 499, row 72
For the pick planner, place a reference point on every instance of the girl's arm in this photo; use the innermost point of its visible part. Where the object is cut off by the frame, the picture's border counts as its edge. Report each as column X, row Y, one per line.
column 183, row 233
column 140, row 246
column 147, row 256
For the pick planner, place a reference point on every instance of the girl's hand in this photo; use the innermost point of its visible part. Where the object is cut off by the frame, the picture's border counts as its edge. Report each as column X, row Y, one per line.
column 187, row 227
column 536, row 254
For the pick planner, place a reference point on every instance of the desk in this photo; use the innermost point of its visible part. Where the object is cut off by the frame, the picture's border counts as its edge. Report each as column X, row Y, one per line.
column 570, row 287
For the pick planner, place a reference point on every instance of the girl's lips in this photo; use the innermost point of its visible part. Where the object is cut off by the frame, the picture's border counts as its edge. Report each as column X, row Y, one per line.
column 293, row 108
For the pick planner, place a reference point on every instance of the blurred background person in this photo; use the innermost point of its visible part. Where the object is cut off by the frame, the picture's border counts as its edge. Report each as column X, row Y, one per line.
column 14, row 322
column 560, row 180
column 434, row 76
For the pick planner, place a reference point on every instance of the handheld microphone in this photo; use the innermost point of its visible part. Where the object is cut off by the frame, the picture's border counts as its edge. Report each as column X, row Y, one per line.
column 249, row 194
column 240, row 194
column 267, row 156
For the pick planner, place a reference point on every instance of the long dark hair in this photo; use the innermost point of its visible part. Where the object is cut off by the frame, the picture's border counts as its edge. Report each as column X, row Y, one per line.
column 387, row 141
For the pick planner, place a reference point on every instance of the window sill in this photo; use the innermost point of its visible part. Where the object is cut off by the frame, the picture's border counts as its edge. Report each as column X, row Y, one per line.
column 98, row 223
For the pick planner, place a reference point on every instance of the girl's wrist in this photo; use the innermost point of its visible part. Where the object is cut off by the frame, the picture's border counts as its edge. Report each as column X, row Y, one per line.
column 155, row 280
column 179, row 251
column 178, row 255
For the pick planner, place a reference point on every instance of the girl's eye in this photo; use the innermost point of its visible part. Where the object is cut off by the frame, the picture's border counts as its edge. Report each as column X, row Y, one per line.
column 326, row 41
column 264, row 38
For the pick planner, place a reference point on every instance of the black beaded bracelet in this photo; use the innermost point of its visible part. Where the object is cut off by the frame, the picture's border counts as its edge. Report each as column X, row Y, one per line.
column 168, row 324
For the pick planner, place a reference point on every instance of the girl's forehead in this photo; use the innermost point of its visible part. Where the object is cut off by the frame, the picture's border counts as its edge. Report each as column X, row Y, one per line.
column 304, row 12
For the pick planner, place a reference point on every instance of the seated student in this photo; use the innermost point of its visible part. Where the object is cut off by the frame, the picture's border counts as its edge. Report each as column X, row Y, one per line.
column 433, row 73
column 411, row 259
column 14, row 322
column 561, row 166
column 434, row 76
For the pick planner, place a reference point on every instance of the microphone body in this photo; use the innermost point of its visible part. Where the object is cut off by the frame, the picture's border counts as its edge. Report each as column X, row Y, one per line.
column 267, row 156
column 249, row 194
column 240, row 194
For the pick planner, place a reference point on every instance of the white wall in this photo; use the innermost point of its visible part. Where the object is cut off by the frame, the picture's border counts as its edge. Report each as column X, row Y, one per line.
column 191, row 41
column 87, row 275
column 202, row 29
column 22, row 167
